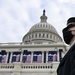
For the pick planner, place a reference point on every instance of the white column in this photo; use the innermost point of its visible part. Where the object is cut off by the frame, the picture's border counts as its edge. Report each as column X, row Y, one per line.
column 31, row 57
column 47, row 57
column 11, row 57
column 42, row 57
column 21, row 56
column 7, row 57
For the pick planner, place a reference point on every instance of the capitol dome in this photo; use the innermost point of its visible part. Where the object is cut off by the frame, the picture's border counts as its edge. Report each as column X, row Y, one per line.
column 42, row 32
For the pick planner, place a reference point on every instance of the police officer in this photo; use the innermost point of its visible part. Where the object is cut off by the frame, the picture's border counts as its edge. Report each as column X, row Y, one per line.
column 67, row 64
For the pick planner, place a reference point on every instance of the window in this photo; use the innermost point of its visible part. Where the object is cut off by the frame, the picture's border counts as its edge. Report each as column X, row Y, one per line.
column 52, row 56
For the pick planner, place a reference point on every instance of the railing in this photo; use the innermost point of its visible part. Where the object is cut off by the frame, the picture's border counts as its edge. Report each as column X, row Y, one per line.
column 26, row 66
column 6, row 66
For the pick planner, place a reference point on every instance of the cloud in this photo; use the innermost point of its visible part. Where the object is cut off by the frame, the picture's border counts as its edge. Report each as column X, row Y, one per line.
column 18, row 16
column 30, row 4
column 14, row 19
column 67, row 1
column 58, row 13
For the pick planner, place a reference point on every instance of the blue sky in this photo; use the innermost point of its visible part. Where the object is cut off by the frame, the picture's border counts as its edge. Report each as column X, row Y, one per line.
column 18, row 16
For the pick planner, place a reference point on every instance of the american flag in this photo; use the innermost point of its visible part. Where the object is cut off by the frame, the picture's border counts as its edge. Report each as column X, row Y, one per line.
column 3, row 58
column 24, row 58
column 17, row 58
column 28, row 60
column 37, row 58
column 52, row 57
column 55, row 57
column 14, row 58
column 0, row 58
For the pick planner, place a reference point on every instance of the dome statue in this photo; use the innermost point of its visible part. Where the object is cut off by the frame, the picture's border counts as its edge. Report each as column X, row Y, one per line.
column 42, row 32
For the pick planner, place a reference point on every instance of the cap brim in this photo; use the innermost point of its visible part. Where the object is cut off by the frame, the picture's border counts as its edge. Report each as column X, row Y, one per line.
column 69, row 26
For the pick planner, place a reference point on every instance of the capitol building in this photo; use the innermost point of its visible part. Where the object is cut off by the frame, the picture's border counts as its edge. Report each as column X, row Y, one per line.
column 39, row 53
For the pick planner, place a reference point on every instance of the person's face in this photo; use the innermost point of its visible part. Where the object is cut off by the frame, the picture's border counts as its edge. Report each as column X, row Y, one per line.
column 72, row 29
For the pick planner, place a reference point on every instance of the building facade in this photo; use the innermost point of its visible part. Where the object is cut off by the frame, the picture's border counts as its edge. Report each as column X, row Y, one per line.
column 39, row 53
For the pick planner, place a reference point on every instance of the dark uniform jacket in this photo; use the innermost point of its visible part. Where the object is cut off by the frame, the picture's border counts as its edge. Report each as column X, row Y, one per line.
column 67, row 64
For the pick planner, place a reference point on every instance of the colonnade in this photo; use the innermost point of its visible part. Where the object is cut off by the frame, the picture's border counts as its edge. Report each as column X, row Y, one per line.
column 44, row 55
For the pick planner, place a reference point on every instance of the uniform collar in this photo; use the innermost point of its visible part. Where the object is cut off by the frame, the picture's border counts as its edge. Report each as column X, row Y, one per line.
column 72, row 44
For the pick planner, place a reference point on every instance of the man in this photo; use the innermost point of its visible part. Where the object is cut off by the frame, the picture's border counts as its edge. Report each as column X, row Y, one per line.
column 67, row 64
